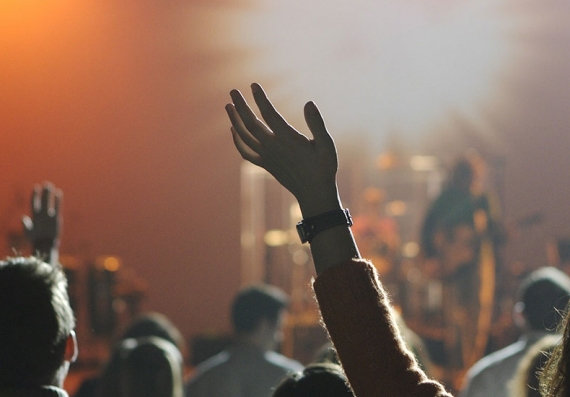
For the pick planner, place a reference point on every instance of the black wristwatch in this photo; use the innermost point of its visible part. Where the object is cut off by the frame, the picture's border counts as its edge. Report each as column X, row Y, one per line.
column 310, row 227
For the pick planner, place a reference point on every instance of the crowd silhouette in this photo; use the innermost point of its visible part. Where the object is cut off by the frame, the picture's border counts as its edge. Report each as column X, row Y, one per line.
column 372, row 352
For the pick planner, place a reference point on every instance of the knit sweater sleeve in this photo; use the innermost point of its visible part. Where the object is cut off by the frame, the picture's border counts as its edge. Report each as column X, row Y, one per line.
column 359, row 319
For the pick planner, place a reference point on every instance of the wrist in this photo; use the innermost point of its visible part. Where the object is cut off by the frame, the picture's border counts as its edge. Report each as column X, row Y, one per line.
column 319, row 201
column 309, row 228
column 45, row 245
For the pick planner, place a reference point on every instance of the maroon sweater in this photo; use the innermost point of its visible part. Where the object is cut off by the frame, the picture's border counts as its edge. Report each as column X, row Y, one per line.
column 359, row 319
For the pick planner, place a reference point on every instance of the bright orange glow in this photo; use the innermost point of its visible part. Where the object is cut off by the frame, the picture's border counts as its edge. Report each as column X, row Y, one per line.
column 111, row 264
column 23, row 8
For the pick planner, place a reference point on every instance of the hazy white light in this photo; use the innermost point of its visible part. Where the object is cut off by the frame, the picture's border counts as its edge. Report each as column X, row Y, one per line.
column 424, row 163
column 379, row 66
column 411, row 249
column 276, row 238
column 396, row 208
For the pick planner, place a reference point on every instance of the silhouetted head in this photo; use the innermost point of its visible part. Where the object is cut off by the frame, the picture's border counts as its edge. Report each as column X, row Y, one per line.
column 254, row 304
column 544, row 295
column 150, row 367
column 317, row 380
column 148, row 327
column 155, row 324
column 36, row 323
column 143, row 367
column 462, row 175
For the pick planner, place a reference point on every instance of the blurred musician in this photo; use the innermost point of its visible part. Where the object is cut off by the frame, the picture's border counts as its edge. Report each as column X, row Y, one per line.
column 459, row 240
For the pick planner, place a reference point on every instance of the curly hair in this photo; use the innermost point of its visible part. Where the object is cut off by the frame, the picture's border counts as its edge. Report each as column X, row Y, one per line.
column 554, row 376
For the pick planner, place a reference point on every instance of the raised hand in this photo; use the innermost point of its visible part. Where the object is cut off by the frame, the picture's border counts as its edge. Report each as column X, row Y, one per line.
column 306, row 167
column 43, row 228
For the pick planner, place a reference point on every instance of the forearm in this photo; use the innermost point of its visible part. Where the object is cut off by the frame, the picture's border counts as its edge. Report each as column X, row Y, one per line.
column 353, row 302
column 47, row 250
column 359, row 319
column 332, row 247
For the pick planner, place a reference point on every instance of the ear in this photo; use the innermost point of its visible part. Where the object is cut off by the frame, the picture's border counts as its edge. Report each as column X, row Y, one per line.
column 518, row 315
column 71, row 350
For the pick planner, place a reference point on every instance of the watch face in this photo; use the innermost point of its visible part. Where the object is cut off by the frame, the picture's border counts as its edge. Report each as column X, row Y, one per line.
column 302, row 232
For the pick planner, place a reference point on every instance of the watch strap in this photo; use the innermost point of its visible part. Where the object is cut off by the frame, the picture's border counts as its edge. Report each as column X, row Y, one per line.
column 310, row 227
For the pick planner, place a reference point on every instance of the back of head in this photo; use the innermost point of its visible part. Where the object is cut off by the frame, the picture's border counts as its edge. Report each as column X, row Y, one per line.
column 35, row 321
column 253, row 304
column 152, row 367
column 462, row 174
column 155, row 324
column 545, row 294
column 317, row 380
column 143, row 367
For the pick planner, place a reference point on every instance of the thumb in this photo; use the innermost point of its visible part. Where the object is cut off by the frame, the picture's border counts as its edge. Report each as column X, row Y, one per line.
column 28, row 224
column 316, row 124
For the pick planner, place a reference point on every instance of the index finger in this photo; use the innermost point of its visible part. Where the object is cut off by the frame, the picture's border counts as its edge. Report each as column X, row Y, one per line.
column 35, row 201
column 254, row 125
column 271, row 116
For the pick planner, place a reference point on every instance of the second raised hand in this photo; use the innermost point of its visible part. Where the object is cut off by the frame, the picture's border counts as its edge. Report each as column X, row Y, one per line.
column 45, row 223
column 306, row 167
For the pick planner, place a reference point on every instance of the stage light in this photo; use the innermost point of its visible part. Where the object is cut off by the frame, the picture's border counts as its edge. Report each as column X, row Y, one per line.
column 424, row 163
column 276, row 238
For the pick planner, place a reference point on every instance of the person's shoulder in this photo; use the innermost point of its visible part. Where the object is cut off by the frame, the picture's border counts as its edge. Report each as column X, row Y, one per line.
column 207, row 373
column 214, row 376
column 88, row 387
column 489, row 373
column 211, row 364
column 283, row 362
column 496, row 359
